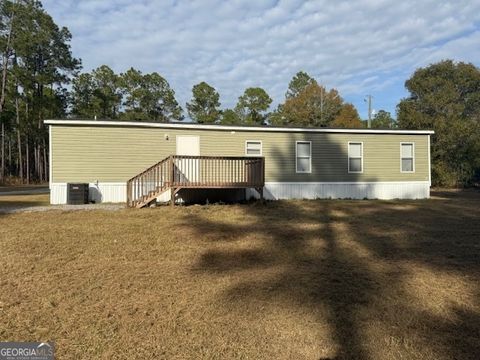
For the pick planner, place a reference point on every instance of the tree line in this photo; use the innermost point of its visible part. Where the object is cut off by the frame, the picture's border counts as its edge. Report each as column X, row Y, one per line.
column 40, row 78
column 445, row 97
column 148, row 97
column 36, row 63
column 306, row 104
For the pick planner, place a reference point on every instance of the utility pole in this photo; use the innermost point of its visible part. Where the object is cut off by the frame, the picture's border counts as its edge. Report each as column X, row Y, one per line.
column 321, row 105
column 369, row 100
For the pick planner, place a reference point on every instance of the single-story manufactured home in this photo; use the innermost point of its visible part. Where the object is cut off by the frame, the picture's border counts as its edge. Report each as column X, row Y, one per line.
column 138, row 162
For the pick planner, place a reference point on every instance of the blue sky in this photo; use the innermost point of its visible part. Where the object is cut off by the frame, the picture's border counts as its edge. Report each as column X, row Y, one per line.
column 358, row 47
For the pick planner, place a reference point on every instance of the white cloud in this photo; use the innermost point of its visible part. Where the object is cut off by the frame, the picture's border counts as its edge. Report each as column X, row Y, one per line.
column 358, row 47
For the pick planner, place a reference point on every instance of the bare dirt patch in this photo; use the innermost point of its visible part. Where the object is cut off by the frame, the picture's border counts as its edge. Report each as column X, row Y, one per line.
column 289, row 279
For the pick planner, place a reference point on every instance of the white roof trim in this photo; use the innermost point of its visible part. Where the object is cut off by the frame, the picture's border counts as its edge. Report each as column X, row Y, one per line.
column 230, row 128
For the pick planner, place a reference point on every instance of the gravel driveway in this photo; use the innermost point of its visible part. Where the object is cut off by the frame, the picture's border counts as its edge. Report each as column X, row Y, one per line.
column 6, row 191
column 87, row 207
column 11, row 207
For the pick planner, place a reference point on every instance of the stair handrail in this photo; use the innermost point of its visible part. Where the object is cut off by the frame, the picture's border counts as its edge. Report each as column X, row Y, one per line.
column 133, row 198
column 150, row 168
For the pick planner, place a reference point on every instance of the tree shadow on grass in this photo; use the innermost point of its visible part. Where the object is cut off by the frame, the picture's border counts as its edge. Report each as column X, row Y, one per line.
column 395, row 277
column 327, row 277
column 390, row 279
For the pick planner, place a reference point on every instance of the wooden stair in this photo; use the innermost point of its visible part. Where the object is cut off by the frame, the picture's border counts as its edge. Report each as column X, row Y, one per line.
column 178, row 172
column 145, row 187
column 151, row 196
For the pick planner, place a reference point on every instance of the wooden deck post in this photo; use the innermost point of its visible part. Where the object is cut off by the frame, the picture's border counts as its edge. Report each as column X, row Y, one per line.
column 172, row 196
column 260, row 191
column 172, row 171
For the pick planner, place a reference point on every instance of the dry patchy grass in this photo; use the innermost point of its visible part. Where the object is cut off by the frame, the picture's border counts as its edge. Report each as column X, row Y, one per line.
column 296, row 279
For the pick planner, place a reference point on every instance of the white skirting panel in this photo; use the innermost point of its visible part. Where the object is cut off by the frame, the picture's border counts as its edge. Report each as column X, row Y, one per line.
column 58, row 193
column 101, row 192
column 164, row 197
column 116, row 192
column 359, row 190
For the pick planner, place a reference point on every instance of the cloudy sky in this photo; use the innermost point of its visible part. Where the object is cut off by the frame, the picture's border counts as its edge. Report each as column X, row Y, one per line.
column 359, row 47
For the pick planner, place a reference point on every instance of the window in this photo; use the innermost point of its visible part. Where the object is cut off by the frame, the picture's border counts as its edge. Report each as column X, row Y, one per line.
column 304, row 156
column 407, row 157
column 355, row 157
column 253, row 147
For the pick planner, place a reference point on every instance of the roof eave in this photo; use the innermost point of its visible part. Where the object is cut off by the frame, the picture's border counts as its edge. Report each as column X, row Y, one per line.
column 231, row 127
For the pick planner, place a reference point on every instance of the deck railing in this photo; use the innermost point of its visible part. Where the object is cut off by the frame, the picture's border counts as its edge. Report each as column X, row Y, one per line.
column 185, row 171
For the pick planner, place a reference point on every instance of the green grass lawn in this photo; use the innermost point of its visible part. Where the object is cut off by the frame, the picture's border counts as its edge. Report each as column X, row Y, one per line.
column 285, row 280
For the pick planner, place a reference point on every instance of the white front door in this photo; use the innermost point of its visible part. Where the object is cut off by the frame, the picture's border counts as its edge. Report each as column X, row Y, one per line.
column 188, row 145
column 189, row 169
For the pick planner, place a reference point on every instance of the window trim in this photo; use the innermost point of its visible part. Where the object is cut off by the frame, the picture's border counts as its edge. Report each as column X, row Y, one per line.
column 296, row 156
column 257, row 141
column 413, row 156
column 355, row 157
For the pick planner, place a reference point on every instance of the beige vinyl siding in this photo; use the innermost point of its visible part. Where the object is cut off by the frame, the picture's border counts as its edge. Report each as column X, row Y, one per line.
column 115, row 154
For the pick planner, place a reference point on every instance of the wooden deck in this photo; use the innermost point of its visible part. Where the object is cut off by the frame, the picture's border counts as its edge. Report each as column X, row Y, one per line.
column 195, row 172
